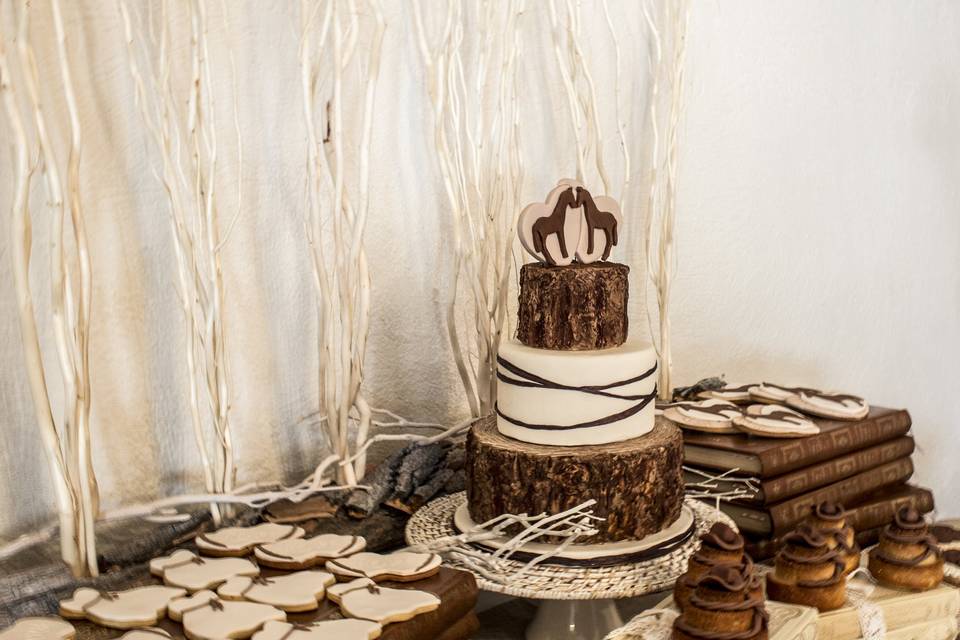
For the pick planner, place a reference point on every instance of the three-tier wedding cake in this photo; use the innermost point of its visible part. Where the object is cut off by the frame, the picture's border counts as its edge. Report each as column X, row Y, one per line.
column 575, row 411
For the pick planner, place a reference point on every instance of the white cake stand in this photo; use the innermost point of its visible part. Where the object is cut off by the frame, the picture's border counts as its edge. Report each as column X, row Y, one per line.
column 576, row 602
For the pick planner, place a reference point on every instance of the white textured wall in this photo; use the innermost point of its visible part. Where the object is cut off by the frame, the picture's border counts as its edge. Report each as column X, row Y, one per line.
column 819, row 232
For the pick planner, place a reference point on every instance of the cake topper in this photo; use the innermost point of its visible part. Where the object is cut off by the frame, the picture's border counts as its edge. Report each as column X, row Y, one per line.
column 570, row 225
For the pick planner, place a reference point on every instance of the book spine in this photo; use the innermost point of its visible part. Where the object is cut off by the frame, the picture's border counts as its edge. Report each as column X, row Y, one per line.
column 804, row 452
column 878, row 514
column 785, row 515
column 799, row 482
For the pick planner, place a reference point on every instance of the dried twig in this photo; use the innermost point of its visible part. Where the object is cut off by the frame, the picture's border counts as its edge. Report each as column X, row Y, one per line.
column 187, row 141
column 568, row 526
column 668, row 32
column 335, row 227
column 482, row 173
column 68, row 445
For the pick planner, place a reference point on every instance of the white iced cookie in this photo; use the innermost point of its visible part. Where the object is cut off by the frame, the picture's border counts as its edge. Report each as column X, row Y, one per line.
column 148, row 633
column 300, row 591
column 139, row 607
column 365, row 599
column 347, row 629
column 839, row 406
column 206, row 617
column 711, row 416
column 775, row 421
column 303, row 553
column 240, row 541
column 739, row 394
column 187, row 570
column 769, row 393
column 400, row 566
column 39, row 629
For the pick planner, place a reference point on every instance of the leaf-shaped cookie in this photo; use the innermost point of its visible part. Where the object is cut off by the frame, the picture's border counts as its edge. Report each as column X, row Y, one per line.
column 136, row 607
column 206, row 617
column 240, row 541
column 39, row 629
column 300, row 591
column 400, row 566
column 303, row 553
column 187, row 570
column 365, row 599
column 347, row 629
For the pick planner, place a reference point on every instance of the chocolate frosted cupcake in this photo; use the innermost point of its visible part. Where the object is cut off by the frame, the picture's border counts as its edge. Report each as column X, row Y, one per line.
column 727, row 604
column 720, row 545
column 908, row 556
column 808, row 571
column 830, row 519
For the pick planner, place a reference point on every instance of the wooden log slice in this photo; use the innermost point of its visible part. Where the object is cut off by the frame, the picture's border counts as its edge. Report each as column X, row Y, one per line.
column 638, row 483
column 573, row 308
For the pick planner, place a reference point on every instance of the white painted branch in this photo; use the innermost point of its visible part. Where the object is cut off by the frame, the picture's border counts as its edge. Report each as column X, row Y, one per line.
column 466, row 85
column 20, row 252
column 89, row 499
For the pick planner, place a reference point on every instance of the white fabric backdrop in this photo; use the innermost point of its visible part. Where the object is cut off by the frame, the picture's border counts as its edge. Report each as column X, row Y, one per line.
column 819, row 234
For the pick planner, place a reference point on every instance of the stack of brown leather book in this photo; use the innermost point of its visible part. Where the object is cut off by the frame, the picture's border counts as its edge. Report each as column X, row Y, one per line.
column 769, row 485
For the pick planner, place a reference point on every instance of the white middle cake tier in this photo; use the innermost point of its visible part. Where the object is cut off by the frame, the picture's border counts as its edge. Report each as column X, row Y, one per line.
column 569, row 398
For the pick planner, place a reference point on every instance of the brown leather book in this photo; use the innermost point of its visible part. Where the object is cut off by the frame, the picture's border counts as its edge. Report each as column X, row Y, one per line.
column 769, row 457
column 778, row 519
column 867, row 517
column 795, row 483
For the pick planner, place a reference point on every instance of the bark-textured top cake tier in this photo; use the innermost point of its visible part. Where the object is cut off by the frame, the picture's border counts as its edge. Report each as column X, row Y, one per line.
column 572, row 377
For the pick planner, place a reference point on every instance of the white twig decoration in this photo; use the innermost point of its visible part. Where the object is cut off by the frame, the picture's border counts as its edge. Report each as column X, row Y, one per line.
column 181, row 122
column 569, row 526
column 668, row 33
column 708, row 486
column 330, row 34
column 474, row 94
column 67, row 445
column 581, row 90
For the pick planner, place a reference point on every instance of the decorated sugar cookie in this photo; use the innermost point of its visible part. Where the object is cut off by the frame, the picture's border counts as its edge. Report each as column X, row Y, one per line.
column 365, row 599
column 739, row 394
column 347, row 629
column 304, row 553
column 240, row 541
column 711, row 416
column 767, row 392
column 189, row 571
column 775, row 421
column 139, row 607
column 400, row 566
column 300, row 591
column 39, row 629
column 839, row 406
column 206, row 617
column 148, row 633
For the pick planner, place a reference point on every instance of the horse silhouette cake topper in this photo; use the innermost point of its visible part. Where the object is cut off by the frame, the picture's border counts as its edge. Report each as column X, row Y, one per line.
column 570, row 225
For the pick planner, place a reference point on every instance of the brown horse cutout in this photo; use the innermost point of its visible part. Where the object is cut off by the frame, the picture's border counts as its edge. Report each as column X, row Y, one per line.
column 597, row 219
column 544, row 227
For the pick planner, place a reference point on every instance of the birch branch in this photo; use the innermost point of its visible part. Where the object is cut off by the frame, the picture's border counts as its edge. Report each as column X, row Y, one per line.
column 21, row 246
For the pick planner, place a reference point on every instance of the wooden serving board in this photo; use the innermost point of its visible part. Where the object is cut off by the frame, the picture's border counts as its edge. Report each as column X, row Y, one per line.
column 453, row 620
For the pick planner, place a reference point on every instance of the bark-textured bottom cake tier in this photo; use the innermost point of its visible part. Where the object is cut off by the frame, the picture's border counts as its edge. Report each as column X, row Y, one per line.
column 637, row 484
